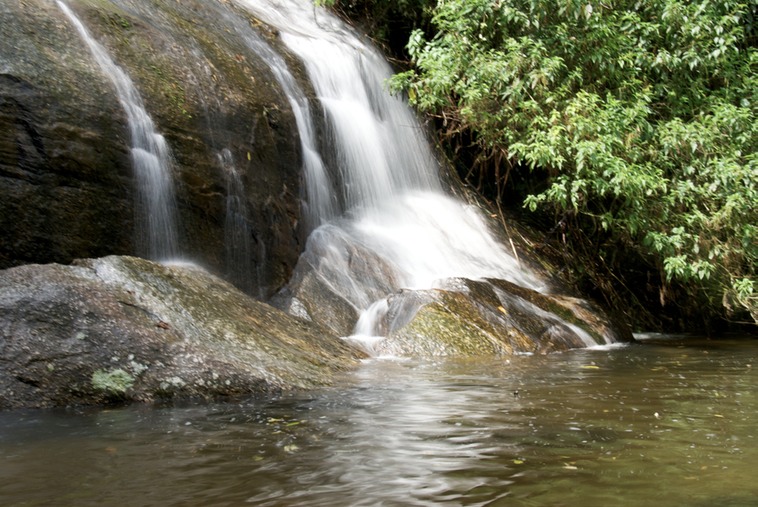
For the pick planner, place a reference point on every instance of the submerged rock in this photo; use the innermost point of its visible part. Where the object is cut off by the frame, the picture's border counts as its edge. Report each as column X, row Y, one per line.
column 123, row 329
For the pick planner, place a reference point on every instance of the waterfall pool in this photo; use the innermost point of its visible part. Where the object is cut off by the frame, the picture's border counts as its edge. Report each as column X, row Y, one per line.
column 667, row 421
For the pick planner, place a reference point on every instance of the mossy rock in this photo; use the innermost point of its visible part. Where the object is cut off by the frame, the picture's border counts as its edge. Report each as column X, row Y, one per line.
column 126, row 329
column 488, row 317
column 114, row 382
column 67, row 187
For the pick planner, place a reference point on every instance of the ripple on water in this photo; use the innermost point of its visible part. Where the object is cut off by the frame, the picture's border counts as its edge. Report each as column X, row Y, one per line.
column 653, row 422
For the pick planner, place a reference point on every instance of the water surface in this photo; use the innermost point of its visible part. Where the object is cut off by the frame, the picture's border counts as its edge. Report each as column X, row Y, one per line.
column 664, row 422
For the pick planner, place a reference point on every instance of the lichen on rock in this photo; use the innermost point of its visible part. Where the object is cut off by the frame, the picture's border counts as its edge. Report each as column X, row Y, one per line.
column 114, row 382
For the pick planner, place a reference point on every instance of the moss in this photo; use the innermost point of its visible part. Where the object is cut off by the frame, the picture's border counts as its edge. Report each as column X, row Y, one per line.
column 456, row 332
column 114, row 382
column 116, row 20
column 452, row 323
column 481, row 322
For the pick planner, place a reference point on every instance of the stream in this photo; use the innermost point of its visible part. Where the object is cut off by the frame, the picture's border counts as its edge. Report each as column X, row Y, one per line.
column 665, row 421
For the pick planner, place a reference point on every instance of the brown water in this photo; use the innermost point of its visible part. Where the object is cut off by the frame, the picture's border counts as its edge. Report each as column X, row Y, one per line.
column 664, row 422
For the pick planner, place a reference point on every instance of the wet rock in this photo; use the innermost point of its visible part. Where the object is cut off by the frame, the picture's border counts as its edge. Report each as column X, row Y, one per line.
column 573, row 310
column 435, row 322
column 489, row 317
column 127, row 329
column 66, row 182
column 338, row 279
column 335, row 278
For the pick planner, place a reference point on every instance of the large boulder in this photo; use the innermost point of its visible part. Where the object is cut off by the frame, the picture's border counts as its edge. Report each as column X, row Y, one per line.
column 66, row 184
column 123, row 328
column 489, row 317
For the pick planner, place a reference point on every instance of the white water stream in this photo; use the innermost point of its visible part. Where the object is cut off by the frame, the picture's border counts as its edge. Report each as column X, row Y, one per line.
column 151, row 158
column 393, row 201
column 321, row 200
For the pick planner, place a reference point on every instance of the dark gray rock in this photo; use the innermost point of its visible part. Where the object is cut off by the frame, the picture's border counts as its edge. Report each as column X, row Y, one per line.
column 66, row 182
column 126, row 329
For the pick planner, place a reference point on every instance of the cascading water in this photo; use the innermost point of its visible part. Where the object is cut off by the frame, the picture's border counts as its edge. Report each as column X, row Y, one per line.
column 393, row 201
column 388, row 245
column 320, row 195
column 380, row 149
column 151, row 158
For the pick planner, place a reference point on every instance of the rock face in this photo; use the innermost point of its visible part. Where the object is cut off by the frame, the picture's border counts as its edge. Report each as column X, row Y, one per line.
column 66, row 182
column 334, row 278
column 123, row 328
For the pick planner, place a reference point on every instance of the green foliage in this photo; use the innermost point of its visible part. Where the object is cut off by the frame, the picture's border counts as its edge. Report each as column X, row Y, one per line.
column 642, row 115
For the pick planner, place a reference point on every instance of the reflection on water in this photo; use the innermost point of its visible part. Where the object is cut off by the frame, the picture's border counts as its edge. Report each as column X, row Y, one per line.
column 665, row 422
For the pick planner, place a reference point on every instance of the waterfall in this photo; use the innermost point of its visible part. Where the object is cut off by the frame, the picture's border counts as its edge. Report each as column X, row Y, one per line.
column 150, row 154
column 393, row 202
column 389, row 243
column 321, row 204
column 380, row 149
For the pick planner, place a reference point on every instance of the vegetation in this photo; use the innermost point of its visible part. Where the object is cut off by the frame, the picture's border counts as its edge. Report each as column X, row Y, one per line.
column 630, row 124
